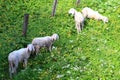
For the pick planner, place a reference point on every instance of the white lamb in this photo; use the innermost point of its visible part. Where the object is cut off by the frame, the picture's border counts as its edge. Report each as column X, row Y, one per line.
column 89, row 13
column 46, row 41
column 79, row 19
column 17, row 56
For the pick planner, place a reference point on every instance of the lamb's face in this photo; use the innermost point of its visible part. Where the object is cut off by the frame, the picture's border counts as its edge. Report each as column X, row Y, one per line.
column 55, row 37
column 71, row 11
column 30, row 48
column 105, row 19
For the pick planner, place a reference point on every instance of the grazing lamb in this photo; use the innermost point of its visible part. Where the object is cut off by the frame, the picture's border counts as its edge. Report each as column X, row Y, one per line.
column 46, row 41
column 79, row 19
column 18, row 56
column 89, row 13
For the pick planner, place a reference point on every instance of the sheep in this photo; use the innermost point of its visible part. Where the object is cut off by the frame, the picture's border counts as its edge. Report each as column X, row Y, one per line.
column 46, row 41
column 18, row 56
column 89, row 13
column 79, row 19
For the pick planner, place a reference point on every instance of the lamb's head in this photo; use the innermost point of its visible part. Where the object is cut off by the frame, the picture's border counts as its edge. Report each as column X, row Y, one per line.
column 72, row 11
column 30, row 48
column 105, row 19
column 55, row 37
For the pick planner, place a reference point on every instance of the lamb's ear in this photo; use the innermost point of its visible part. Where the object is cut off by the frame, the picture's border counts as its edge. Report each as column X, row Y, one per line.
column 28, row 50
column 53, row 39
column 57, row 37
column 33, row 49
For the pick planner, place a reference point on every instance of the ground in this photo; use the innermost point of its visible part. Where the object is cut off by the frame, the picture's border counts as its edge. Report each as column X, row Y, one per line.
column 92, row 54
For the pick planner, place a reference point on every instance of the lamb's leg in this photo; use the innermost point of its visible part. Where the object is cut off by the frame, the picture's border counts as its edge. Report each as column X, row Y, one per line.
column 15, row 66
column 15, row 70
column 25, row 63
column 82, row 25
column 78, row 28
column 10, row 72
column 76, row 25
column 37, row 49
column 50, row 48
column 10, row 69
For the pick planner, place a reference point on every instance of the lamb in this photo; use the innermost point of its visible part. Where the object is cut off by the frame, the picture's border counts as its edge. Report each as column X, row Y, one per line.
column 79, row 19
column 46, row 41
column 89, row 13
column 18, row 56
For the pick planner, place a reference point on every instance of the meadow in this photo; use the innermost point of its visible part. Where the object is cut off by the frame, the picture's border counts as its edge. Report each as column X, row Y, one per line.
column 93, row 54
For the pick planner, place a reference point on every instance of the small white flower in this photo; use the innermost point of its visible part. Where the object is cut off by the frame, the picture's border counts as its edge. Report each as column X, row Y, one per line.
column 53, row 47
column 116, row 50
column 23, row 70
column 98, row 49
column 59, row 76
column 34, row 69
column 77, row 77
column 71, row 41
column 111, row 71
column 76, row 68
column 39, row 69
column 68, row 72
column 105, row 41
column 67, row 66
column 102, row 65
column 107, row 28
column 81, row 70
column 112, row 66
column 114, row 7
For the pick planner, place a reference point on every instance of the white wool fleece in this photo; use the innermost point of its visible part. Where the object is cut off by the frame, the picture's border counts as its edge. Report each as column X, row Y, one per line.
column 17, row 56
column 79, row 19
column 46, row 41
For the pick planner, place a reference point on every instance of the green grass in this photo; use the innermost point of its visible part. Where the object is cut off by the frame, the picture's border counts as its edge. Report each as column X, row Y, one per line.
column 93, row 54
